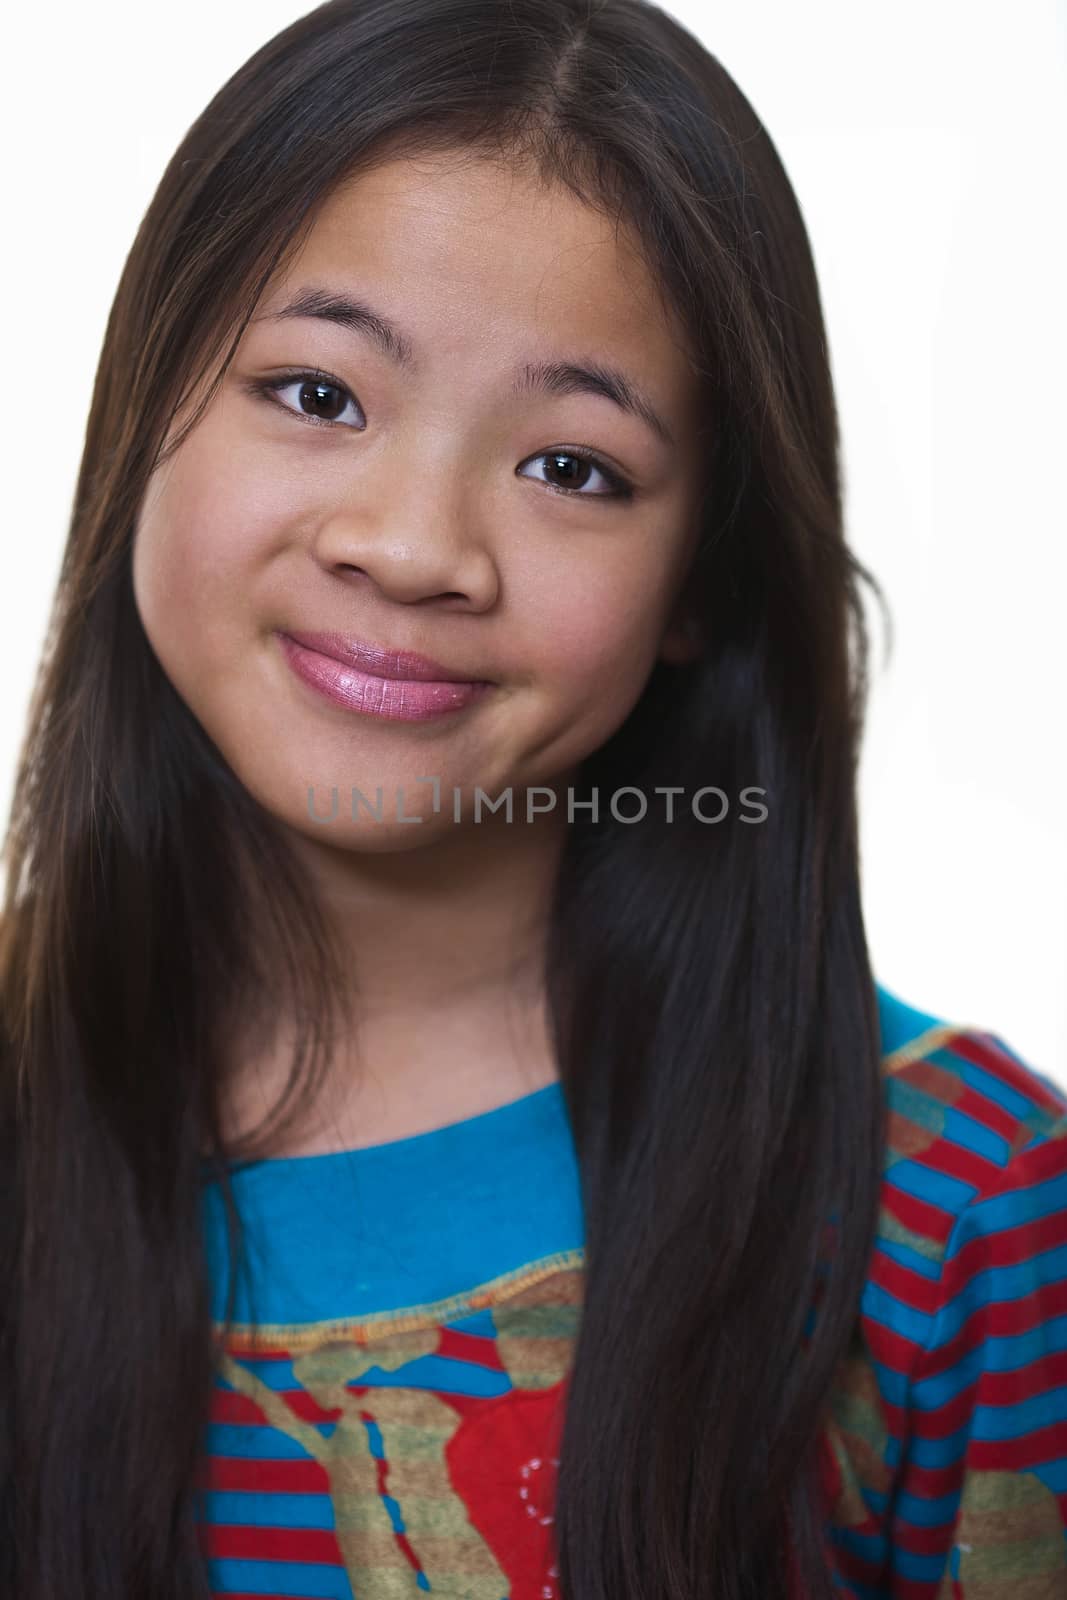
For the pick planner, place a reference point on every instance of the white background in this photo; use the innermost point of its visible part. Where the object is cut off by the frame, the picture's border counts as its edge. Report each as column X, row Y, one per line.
column 926, row 144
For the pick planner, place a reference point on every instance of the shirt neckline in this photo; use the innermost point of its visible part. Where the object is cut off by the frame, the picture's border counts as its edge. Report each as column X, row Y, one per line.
column 479, row 1124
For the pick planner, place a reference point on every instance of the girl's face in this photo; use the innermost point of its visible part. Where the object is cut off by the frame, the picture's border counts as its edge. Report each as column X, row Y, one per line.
column 427, row 508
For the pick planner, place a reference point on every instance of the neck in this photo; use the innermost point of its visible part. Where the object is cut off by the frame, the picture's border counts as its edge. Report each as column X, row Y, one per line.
column 443, row 946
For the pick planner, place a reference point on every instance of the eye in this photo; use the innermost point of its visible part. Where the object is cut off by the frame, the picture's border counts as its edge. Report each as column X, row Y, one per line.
column 323, row 391
column 313, row 389
column 618, row 488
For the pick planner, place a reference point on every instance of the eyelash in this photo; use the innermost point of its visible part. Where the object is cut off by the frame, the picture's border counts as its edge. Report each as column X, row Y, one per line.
column 269, row 389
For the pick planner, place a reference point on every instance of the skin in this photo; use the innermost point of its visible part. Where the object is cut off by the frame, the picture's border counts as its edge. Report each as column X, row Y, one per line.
column 427, row 518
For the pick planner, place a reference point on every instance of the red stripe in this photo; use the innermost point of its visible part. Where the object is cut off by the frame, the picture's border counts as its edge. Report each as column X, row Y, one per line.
column 245, row 1350
column 229, row 1405
column 888, row 1347
column 269, row 1477
column 930, row 1483
column 981, row 1050
column 225, row 1542
column 1022, row 1455
column 1007, row 1247
column 1003, row 1319
column 954, row 1160
column 919, row 1216
column 980, row 1108
column 910, row 1288
column 478, row 1349
column 851, row 1564
column 991, row 1389
column 988, row 1455
column 923, row 1540
column 922, row 1589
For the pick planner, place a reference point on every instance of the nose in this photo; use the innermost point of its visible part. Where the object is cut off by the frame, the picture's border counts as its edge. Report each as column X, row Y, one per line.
column 422, row 548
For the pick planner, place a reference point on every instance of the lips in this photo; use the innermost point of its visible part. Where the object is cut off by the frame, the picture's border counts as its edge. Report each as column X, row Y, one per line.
column 380, row 661
column 375, row 681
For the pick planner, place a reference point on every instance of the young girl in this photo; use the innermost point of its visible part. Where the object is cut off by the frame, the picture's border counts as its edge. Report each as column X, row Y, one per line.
column 454, row 1139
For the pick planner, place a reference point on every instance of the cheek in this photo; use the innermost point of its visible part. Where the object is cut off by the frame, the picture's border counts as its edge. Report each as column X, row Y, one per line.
column 597, row 638
column 200, row 540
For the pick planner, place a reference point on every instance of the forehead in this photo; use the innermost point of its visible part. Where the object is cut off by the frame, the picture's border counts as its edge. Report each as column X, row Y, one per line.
column 467, row 250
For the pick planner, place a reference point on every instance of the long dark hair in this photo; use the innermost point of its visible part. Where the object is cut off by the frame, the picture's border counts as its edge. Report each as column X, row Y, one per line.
column 714, row 1008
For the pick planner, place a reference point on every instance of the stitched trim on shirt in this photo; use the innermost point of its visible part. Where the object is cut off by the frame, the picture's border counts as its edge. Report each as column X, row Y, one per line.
column 302, row 1335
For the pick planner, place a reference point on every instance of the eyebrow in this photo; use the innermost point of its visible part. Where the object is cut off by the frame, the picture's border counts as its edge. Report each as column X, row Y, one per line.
column 586, row 376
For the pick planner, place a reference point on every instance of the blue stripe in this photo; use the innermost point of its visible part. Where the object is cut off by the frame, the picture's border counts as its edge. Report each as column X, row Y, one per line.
column 252, row 1442
column 993, row 1284
column 448, row 1374
column 1038, row 1116
column 936, row 1454
column 1053, row 1475
column 889, row 1312
column 869, row 1547
column 919, row 1569
column 926, row 1183
column 907, row 1256
column 445, row 1375
column 975, row 1137
column 1021, row 1205
column 392, row 1505
column 859, row 1591
column 922, row 1511
column 278, row 1376
column 1009, row 1353
column 985, row 1083
column 994, row 1424
column 479, row 1323
column 1014, row 1422
column 875, row 1500
column 267, row 1508
column 312, row 1580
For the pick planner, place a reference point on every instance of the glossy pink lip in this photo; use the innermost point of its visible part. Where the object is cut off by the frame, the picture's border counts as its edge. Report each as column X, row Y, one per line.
column 397, row 685
column 378, row 661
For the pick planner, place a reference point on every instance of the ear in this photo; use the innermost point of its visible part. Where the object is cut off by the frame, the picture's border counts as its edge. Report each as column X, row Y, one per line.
column 682, row 640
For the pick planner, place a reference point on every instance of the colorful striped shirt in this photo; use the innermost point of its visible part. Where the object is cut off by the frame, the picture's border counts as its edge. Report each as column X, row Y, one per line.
column 386, row 1411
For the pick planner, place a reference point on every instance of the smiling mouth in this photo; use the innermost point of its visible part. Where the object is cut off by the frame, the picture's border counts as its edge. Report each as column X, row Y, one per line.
column 400, row 688
column 379, row 661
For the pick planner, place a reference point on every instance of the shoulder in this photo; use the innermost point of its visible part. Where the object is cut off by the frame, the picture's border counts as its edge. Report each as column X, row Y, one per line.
column 950, row 1415
column 975, row 1171
column 973, row 1134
